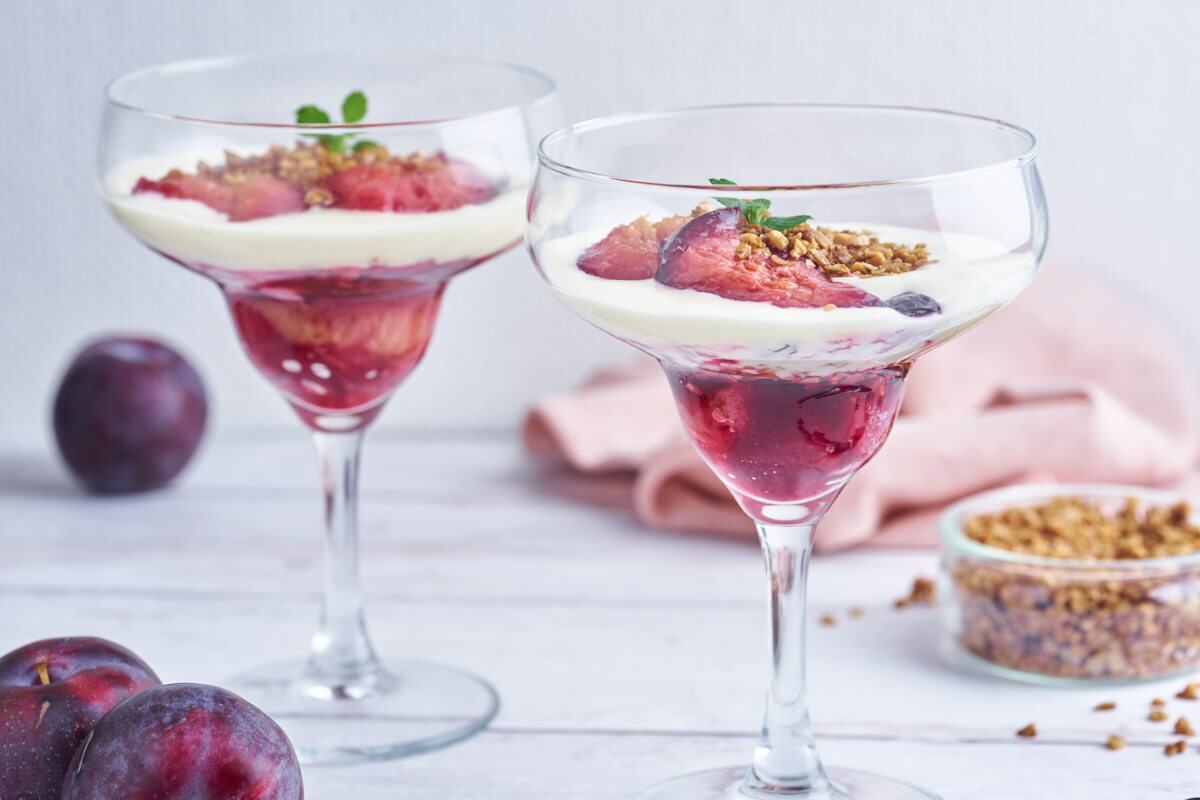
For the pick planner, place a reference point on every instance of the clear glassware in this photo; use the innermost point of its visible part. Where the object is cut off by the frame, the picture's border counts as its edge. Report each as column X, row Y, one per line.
column 332, row 243
column 787, row 370
column 1067, row 621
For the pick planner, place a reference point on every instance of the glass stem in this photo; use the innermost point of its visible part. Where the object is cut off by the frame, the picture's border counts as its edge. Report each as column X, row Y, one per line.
column 343, row 663
column 786, row 760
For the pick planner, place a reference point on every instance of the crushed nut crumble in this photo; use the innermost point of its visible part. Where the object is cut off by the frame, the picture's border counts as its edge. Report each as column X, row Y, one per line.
column 837, row 253
column 1071, row 527
column 303, row 165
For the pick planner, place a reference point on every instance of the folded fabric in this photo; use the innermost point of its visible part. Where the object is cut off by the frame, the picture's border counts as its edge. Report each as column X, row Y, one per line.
column 1071, row 383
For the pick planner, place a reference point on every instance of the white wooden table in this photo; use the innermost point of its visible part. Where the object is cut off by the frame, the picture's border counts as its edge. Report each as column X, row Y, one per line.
column 622, row 656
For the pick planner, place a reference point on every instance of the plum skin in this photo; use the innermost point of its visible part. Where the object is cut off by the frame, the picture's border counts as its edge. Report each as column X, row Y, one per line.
column 185, row 741
column 129, row 415
column 42, row 725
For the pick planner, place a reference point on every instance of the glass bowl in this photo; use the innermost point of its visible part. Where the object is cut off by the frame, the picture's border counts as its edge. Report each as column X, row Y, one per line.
column 1068, row 621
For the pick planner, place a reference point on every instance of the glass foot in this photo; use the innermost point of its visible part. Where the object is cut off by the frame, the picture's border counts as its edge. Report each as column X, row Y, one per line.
column 726, row 784
column 411, row 708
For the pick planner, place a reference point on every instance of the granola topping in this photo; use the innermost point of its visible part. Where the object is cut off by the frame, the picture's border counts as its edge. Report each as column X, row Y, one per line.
column 303, row 165
column 839, row 253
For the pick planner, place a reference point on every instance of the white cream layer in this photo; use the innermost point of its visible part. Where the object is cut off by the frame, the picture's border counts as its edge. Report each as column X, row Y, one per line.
column 972, row 277
column 319, row 238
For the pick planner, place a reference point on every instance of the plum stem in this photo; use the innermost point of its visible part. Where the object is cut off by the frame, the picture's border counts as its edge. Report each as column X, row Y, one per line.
column 785, row 760
column 43, row 670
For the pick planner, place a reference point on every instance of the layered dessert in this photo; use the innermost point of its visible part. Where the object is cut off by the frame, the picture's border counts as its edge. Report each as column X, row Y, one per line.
column 333, row 260
column 786, row 342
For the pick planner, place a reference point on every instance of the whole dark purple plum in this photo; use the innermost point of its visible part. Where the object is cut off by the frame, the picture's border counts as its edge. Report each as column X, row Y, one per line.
column 184, row 741
column 129, row 415
column 51, row 694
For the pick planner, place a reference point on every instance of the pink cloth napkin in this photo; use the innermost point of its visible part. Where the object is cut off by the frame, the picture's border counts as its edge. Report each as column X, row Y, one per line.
column 1071, row 383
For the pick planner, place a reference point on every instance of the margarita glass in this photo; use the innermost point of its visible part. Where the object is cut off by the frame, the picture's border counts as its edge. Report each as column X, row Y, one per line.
column 332, row 243
column 786, row 264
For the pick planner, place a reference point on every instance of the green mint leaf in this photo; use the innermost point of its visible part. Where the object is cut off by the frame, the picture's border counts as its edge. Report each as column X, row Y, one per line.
column 783, row 223
column 334, row 143
column 354, row 107
column 364, row 144
column 311, row 115
column 755, row 211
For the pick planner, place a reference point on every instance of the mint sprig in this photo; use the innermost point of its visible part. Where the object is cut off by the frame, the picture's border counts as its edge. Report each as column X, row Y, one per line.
column 354, row 108
column 757, row 211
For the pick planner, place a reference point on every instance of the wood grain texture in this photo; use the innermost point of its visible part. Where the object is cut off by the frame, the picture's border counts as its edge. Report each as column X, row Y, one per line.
column 623, row 656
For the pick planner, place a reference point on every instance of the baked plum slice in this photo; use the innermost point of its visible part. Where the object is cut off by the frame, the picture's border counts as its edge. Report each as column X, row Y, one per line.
column 701, row 255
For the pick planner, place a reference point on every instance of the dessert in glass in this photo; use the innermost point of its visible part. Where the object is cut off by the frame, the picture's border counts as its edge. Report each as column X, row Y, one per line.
column 786, row 264
column 330, row 198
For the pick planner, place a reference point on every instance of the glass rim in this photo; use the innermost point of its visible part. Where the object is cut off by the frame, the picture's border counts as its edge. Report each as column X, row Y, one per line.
column 549, row 89
column 1027, row 156
column 953, row 540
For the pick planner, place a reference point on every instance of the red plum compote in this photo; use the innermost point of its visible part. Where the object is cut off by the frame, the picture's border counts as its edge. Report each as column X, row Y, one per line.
column 337, row 342
column 786, row 441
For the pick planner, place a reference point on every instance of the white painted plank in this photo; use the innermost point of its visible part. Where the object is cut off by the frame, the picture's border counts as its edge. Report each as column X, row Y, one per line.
column 589, row 625
column 612, row 668
column 593, row 767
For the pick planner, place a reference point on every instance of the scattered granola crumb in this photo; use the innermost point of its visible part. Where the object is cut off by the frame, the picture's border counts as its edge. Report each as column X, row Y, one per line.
column 923, row 592
column 1175, row 748
column 1105, row 706
column 1157, row 716
column 1115, row 742
column 1158, row 702
column 1190, row 692
column 857, row 612
column 1028, row 732
column 828, row 620
column 1183, row 727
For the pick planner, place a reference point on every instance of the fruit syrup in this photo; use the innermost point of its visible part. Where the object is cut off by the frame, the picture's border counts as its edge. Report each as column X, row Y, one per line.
column 786, row 446
column 337, row 342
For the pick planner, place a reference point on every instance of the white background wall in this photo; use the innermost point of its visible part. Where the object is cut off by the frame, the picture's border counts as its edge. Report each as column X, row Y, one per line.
column 1109, row 87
